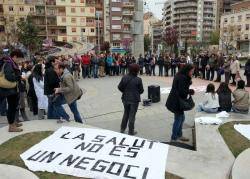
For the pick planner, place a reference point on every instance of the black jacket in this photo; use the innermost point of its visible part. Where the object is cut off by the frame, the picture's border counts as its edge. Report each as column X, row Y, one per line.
column 180, row 89
column 131, row 87
column 225, row 101
column 51, row 81
column 11, row 74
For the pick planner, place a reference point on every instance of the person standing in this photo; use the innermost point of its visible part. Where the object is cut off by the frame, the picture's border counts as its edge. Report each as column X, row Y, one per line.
column 51, row 81
column 234, row 69
column 42, row 100
column 160, row 63
column 219, row 67
column 141, row 64
column 180, row 91
column 167, row 62
column 247, row 72
column 203, row 64
column 76, row 61
column 12, row 74
column 109, row 64
column 131, row 87
column 102, row 65
column 152, row 63
column 211, row 67
column 173, row 66
column 227, row 71
column 95, row 65
column 69, row 92
column 86, row 66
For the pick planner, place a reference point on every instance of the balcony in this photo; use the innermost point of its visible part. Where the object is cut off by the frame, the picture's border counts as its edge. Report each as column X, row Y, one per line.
column 51, row 2
column 128, row 4
column 127, row 30
column 127, row 21
column 128, row 13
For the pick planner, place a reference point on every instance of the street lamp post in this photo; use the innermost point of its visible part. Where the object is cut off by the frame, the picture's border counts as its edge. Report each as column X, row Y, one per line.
column 98, row 31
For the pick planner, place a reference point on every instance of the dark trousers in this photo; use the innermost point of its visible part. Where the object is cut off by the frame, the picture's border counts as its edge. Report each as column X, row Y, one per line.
column 173, row 71
column 233, row 77
column 12, row 106
column 227, row 77
column 203, row 71
column 210, row 74
column 141, row 70
column 3, row 106
column 166, row 70
column 248, row 80
column 152, row 70
column 218, row 79
column 177, row 126
column 85, row 71
column 160, row 70
column 129, row 116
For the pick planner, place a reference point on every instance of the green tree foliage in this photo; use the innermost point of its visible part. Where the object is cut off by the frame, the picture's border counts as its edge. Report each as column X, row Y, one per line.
column 147, row 43
column 215, row 38
column 27, row 34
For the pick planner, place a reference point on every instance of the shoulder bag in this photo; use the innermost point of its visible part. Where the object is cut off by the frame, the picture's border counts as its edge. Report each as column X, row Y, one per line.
column 187, row 104
column 4, row 83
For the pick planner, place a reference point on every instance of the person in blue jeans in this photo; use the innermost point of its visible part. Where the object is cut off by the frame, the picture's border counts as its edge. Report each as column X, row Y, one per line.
column 68, row 92
column 180, row 91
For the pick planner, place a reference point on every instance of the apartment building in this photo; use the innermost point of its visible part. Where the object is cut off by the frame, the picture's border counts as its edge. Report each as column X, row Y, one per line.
column 11, row 12
column 125, row 25
column 235, row 29
column 148, row 20
column 194, row 20
column 61, row 20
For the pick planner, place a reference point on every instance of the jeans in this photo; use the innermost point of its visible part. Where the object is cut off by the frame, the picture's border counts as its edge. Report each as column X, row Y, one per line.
column 51, row 114
column 85, row 71
column 160, row 70
column 129, row 116
column 62, row 113
column 95, row 71
column 207, row 110
column 177, row 126
column 210, row 74
column 3, row 106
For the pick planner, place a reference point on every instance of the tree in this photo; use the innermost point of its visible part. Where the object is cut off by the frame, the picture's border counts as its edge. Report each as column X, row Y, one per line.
column 147, row 43
column 126, row 43
column 105, row 47
column 27, row 34
column 170, row 37
column 215, row 38
column 229, row 36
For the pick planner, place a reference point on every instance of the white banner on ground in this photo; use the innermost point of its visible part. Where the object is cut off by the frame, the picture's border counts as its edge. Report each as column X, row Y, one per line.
column 243, row 129
column 197, row 89
column 95, row 153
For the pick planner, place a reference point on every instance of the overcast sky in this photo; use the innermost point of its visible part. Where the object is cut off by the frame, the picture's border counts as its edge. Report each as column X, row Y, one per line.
column 155, row 8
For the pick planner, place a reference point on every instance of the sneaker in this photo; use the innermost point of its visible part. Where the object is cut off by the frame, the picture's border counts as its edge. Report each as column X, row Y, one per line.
column 13, row 128
column 122, row 131
column 184, row 139
column 132, row 133
column 59, row 121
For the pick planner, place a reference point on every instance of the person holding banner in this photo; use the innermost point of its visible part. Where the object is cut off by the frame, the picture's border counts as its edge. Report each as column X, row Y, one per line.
column 131, row 87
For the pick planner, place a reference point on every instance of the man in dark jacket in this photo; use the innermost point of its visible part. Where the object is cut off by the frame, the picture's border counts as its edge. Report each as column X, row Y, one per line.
column 131, row 87
column 141, row 64
column 160, row 63
column 51, row 81
column 203, row 63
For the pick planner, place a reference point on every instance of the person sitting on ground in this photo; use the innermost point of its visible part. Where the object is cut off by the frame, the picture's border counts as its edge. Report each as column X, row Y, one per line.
column 241, row 99
column 225, row 100
column 211, row 100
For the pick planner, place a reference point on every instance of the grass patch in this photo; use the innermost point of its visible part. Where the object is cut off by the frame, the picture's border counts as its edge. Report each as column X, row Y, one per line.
column 234, row 140
column 10, row 154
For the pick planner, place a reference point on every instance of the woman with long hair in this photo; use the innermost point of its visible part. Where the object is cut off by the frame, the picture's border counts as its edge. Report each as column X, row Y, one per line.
column 210, row 103
column 38, row 81
column 225, row 99
column 180, row 91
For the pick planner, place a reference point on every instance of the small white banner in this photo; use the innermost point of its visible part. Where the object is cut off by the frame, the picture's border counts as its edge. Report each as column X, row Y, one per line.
column 95, row 153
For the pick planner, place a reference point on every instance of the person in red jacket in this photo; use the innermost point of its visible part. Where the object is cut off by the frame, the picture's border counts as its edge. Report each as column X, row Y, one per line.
column 85, row 66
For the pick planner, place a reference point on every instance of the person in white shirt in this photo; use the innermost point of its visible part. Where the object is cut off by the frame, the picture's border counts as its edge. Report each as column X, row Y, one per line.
column 211, row 100
column 234, row 69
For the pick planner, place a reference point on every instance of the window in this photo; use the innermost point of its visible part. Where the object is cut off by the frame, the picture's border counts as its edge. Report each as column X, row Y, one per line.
column 21, row 8
column 225, row 20
column 82, row 1
column 63, row 19
column 116, row 9
column 116, row 18
column 116, row 27
column 239, row 18
column 11, row 8
column 116, row 44
column 246, row 36
column 247, row 26
column 73, row 29
column 83, row 30
column 73, row 1
column 239, row 27
column 64, row 39
column 92, row 30
column 92, row 10
column 73, row 10
column 82, row 9
column 73, row 20
column 74, row 39
column 83, row 20
column 248, row 16
column 116, row 37
column 32, row 9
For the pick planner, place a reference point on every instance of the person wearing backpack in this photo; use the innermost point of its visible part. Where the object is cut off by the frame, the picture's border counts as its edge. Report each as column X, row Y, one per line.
column 12, row 74
column 247, row 72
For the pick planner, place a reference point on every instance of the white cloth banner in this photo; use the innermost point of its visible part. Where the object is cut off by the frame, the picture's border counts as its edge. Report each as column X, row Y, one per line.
column 95, row 153
column 197, row 89
column 243, row 129
column 208, row 120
